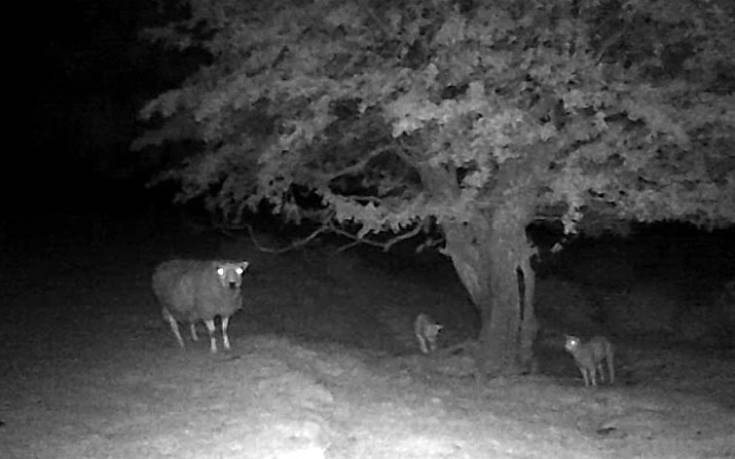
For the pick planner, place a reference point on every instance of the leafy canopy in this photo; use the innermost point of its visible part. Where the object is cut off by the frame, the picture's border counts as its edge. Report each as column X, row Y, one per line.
column 390, row 112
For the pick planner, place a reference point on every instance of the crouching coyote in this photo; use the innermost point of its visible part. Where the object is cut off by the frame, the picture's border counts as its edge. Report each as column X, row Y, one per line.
column 193, row 290
column 426, row 330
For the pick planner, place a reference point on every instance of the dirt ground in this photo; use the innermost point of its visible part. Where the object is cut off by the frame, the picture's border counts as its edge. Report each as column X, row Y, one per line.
column 323, row 364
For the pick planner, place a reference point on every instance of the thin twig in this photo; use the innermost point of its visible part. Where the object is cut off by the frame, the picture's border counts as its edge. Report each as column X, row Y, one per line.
column 356, row 239
column 402, row 237
column 386, row 245
column 327, row 226
column 351, row 169
column 349, row 246
column 296, row 244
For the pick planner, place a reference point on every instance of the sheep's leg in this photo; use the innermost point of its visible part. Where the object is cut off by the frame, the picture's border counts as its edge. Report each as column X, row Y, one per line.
column 225, row 338
column 174, row 326
column 212, row 342
column 193, row 329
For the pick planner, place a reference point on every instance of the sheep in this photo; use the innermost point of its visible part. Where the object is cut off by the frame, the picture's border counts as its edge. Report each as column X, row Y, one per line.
column 193, row 290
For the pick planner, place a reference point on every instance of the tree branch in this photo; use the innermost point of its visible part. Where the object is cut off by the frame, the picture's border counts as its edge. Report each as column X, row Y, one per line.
column 402, row 237
column 356, row 240
column 352, row 169
column 327, row 226
column 385, row 245
column 295, row 244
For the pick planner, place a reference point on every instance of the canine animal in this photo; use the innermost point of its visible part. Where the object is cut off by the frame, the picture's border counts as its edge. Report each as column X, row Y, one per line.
column 589, row 357
column 193, row 290
column 426, row 330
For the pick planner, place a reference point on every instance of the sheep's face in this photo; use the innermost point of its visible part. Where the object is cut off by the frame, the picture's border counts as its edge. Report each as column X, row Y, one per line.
column 230, row 274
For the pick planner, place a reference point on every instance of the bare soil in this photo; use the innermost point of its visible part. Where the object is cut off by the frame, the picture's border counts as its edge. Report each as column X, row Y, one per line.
column 323, row 365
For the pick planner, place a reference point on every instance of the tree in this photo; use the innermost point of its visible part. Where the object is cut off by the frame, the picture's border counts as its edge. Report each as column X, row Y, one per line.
column 470, row 118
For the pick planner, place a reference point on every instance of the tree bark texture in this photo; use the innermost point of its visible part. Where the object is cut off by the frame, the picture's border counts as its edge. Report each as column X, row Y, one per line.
column 508, row 333
column 492, row 256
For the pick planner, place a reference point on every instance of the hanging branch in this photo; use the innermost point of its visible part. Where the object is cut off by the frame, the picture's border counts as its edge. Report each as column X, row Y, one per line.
column 355, row 168
column 294, row 245
column 386, row 245
column 327, row 226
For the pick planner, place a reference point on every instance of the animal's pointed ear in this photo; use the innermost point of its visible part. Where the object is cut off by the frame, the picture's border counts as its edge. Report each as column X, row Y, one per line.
column 244, row 265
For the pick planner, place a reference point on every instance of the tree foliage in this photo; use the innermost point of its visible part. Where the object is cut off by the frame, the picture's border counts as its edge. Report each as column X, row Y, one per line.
column 393, row 113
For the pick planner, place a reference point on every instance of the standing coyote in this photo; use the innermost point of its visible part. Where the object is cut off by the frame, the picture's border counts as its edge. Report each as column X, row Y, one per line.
column 426, row 330
column 192, row 290
column 589, row 357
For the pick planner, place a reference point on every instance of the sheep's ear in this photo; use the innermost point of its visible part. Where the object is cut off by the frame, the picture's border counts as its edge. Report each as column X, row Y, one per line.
column 244, row 265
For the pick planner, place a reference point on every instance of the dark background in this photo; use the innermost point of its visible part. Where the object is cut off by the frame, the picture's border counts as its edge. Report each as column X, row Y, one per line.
column 84, row 76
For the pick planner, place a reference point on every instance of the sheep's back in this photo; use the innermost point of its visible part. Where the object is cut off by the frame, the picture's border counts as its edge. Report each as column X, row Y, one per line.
column 190, row 290
column 173, row 287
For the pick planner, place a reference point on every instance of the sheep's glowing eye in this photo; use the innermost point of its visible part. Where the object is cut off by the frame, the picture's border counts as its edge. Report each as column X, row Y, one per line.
column 221, row 271
column 240, row 271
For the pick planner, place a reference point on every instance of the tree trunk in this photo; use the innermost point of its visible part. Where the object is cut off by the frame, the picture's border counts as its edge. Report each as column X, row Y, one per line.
column 508, row 334
column 491, row 254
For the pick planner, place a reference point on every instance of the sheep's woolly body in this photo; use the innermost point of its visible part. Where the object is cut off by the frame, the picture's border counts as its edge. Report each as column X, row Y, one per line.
column 192, row 290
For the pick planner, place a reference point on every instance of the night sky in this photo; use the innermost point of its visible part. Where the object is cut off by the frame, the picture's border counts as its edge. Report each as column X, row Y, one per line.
column 87, row 73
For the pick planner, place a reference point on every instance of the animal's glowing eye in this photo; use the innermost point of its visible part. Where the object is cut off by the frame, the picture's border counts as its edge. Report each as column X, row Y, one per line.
column 240, row 271
column 221, row 271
